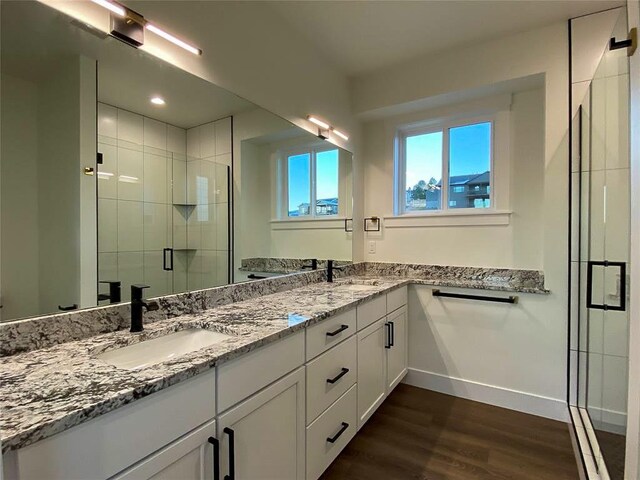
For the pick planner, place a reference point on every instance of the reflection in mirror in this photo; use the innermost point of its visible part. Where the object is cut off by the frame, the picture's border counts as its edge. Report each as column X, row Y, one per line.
column 294, row 195
column 120, row 169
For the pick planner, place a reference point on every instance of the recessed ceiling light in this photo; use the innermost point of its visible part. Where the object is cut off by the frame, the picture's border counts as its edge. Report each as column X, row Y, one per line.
column 158, row 100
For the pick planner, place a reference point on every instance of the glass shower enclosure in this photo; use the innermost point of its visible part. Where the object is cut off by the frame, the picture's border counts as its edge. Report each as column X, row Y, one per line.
column 600, row 261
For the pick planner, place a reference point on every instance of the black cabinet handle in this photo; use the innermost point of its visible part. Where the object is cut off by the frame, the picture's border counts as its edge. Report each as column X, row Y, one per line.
column 253, row 276
column 342, row 373
column 216, row 457
column 168, row 266
column 387, row 327
column 333, row 439
column 392, row 337
column 336, row 332
column 232, row 454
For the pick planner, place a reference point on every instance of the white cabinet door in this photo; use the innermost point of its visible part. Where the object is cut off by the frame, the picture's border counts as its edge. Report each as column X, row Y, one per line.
column 189, row 458
column 397, row 353
column 264, row 436
column 372, row 364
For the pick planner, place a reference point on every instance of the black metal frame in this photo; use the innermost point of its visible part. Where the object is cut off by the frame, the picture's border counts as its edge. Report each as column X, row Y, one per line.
column 623, row 285
column 164, row 259
column 372, row 219
column 346, row 224
column 483, row 298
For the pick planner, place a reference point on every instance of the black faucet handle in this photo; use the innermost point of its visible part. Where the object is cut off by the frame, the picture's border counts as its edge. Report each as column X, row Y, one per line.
column 151, row 306
column 136, row 291
column 111, row 282
column 313, row 266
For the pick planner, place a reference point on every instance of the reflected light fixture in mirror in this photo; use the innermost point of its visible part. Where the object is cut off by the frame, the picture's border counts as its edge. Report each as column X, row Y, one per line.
column 325, row 127
column 176, row 41
column 112, row 7
column 318, row 122
column 340, row 134
column 158, row 101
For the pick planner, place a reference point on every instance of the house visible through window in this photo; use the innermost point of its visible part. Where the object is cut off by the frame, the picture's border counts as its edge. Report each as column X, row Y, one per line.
column 456, row 156
column 312, row 179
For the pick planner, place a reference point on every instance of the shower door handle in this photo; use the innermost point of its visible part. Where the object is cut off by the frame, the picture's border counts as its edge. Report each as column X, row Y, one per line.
column 623, row 285
column 167, row 259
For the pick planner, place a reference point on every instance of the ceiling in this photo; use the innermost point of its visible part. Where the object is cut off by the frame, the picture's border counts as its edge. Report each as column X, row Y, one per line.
column 127, row 78
column 362, row 36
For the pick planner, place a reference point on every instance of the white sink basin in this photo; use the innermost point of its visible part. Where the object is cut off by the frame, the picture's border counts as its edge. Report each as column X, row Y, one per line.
column 151, row 352
column 357, row 284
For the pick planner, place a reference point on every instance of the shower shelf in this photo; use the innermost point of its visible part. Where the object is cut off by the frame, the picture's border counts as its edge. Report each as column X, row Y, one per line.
column 185, row 204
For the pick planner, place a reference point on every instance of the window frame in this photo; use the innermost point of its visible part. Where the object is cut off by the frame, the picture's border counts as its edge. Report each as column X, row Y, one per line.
column 313, row 151
column 433, row 126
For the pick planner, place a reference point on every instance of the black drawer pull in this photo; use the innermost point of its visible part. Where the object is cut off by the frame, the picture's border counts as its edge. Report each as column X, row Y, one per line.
column 336, row 332
column 387, row 327
column 392, row 339
column 333, row 439
column 342, row 373
column 232, row 454
column 216, row 457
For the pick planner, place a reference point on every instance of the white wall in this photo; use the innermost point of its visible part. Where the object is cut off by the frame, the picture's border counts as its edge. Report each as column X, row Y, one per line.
column 537, row 235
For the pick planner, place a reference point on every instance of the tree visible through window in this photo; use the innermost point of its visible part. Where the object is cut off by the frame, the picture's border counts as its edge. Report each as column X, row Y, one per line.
column 313, row 178
column 460, row 154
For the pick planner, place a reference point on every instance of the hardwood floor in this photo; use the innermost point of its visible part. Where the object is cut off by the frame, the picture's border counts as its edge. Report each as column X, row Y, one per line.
column 419, row 434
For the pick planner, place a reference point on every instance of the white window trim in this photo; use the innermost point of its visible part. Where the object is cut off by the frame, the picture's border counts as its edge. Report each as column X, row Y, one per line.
column 432, row 126
column 283, row 174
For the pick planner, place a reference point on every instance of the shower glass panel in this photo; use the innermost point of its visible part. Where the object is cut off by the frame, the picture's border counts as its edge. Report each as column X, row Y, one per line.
column 604, row 255
column 163, row 217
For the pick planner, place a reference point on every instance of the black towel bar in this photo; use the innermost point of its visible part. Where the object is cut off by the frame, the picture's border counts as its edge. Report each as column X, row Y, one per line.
column 483, row 298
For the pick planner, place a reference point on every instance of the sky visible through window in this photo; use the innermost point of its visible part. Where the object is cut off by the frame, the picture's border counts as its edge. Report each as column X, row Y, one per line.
column 299, row 167
column 469, row 145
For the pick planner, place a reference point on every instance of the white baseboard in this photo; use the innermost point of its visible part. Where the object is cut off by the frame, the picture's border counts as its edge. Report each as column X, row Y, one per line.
column 498, row 396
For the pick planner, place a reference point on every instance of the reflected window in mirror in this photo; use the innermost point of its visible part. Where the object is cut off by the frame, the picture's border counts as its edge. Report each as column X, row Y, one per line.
column 312, row 180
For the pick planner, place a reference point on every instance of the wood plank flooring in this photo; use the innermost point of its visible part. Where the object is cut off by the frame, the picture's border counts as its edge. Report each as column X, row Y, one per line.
column 419, row 434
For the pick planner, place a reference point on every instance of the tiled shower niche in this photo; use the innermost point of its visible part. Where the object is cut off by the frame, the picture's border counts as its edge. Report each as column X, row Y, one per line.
column 163, row 203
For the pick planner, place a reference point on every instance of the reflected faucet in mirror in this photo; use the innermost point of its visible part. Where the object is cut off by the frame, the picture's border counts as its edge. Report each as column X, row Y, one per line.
column 115, row 289
column 330, row 269
column 137, row 304
column 313, row 266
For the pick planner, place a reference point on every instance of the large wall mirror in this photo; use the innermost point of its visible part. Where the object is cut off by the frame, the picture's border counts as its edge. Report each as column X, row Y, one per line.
column 119, row 167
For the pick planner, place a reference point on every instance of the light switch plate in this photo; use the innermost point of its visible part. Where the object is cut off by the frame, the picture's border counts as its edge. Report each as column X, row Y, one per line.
column 372, row 246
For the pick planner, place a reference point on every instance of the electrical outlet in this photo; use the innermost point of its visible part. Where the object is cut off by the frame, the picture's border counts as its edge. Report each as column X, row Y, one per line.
column 372, row 246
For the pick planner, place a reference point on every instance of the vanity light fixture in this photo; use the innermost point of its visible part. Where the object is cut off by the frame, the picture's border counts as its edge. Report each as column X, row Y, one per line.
column 158, row 101
column 117, row 9
column 325, row 128
column 318, row 122
column 176, row 41
column 340, row 134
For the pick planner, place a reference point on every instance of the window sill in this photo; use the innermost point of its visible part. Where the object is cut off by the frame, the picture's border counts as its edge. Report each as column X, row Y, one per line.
column 310, row 223
column 448, row 219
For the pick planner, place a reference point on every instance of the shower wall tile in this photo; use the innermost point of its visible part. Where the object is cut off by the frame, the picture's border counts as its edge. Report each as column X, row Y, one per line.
column 222, row 268
column 193, row 142
column 193, row 172
column 207, row 140
column 130, row 174
column 130, row 271
column 157, row 183
column 180, row 215
column 107, row 225
column 222, row 184
column 157, row 226
column 107, row 268
column 108, row 171
column 224, row 159
column 130, row 226
column 155, row 134
column 176, row 140
column 222, row 222
column 130, row 127
column 158, row 279
column 223, row 135
column 107, row 120
column 179, row 179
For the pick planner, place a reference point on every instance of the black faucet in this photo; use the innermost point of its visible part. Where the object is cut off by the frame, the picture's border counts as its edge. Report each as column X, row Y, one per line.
column 330, row 270
column 313, row 266
column 114, row 295
column 137, row 303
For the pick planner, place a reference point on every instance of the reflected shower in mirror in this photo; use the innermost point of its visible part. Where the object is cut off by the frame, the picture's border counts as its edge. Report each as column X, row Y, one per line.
column 119, row 168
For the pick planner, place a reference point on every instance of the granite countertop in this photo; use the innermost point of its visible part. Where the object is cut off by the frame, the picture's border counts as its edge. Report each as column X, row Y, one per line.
column 47, row 391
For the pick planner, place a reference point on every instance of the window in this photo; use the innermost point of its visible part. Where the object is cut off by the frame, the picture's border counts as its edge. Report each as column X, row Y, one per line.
column 445, row 167
column 312, row 179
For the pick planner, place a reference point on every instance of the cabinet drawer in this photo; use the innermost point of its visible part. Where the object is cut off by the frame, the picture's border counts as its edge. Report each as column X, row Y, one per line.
column 329, row 376
column 341, row 416
column 242, row 377
column 396, row 299
column 371, row 311
column 318, row 338
column 112, row 442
